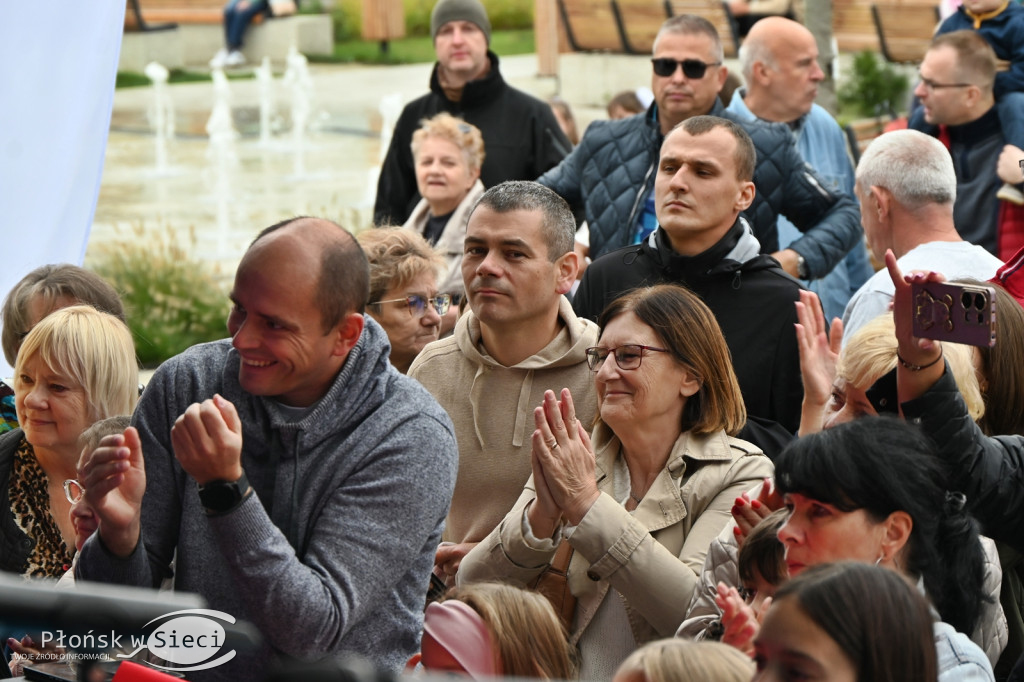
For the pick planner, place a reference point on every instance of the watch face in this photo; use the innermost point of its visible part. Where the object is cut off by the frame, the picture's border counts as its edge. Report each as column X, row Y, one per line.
column 220, row 495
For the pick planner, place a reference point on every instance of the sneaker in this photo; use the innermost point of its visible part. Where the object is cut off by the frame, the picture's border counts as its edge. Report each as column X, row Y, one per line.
column 1011, row 193
column 219, row 59
column 235, row 58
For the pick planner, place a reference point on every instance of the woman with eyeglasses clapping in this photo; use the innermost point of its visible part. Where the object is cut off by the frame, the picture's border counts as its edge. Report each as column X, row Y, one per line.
column 640, row 499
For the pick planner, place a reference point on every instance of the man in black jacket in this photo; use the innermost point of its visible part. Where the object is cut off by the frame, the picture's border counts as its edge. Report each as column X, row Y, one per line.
column 702, row 184
column 611, row 173
column 522, row 139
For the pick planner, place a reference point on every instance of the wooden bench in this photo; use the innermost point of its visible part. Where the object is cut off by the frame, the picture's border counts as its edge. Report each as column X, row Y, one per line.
column 591, row 26
column 144, row 13
column 134, row 21
column 716, row 12
column 853, row 24
column 639, row 22
column 904, row 31
column 861, row 132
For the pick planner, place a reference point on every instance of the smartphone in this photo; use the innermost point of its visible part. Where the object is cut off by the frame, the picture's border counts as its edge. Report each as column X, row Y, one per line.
column 961, row 313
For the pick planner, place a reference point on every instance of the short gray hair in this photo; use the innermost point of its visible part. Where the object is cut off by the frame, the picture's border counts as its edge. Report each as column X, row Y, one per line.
column 691, row 24
column 558, row 227
column 916, row 168
column 751, row 52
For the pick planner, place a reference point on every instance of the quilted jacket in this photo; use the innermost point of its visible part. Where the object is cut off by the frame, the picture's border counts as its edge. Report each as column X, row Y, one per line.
column 612, row 171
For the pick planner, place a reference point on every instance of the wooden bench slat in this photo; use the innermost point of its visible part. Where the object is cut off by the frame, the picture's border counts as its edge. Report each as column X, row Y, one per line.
column 716, row 12
column 640, row 21
column 591, row 26
column 904, row 31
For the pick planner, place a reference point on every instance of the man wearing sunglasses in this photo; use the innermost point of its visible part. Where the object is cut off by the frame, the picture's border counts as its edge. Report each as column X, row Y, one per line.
column 611, row 173
column 295, row 478
column 780, row 67
column 518, row 339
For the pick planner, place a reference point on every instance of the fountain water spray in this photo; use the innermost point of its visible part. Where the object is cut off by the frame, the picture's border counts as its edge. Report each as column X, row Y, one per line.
column 161, row 114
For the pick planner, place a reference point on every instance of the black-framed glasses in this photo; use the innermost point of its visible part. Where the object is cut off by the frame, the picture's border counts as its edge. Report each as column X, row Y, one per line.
column 626, row 357
column 929, row 84
column 692, row 68
column 418, row 304
column 73, row 490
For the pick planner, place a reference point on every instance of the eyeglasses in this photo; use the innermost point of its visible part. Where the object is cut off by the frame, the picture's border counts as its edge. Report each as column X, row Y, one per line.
column 692, row 68
column 73, row 490
column 929, row 84
column 418, row 304
column 626, row 357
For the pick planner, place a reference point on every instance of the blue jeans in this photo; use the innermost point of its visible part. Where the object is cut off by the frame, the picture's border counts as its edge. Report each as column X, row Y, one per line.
column 237, row 20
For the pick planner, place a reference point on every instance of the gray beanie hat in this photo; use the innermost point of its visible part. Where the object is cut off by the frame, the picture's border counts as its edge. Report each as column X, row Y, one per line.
column 459, row 10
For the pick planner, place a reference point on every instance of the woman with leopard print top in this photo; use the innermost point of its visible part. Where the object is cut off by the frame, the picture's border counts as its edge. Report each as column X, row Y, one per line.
column 76, row 366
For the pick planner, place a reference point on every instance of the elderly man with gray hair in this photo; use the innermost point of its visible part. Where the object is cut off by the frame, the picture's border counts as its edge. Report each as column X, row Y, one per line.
column 907, row 187
column 780, row 67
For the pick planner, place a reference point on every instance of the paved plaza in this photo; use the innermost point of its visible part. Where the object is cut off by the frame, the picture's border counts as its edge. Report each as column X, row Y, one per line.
column 217, row 197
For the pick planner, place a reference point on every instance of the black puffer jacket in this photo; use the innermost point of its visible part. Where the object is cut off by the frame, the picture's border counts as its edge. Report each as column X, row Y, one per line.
column 750, row 295
column 522, row 139
column 988, row 470
column 612, row 170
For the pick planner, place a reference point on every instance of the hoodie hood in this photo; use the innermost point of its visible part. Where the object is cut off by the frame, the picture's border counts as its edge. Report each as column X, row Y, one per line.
column 737, row 251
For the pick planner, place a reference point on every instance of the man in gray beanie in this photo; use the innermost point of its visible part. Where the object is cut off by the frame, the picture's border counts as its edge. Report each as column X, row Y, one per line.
column 522, row 139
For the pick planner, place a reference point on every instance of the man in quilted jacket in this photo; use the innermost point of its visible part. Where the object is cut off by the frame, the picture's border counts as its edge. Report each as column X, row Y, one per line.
column 611, row 173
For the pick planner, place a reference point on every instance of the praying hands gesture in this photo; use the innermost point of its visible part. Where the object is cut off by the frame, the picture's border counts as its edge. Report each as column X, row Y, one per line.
column 563, row 466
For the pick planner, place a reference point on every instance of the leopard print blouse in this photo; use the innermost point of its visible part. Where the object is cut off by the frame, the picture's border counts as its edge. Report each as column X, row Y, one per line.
column 30, row 503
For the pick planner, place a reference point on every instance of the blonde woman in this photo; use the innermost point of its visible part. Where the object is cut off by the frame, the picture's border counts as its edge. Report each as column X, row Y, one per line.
column 447, row 154
column 76, row 366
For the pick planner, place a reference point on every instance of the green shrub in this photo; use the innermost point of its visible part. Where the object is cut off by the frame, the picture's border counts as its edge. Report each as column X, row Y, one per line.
column 504, row 15
column 172, row 300
column 873, row 88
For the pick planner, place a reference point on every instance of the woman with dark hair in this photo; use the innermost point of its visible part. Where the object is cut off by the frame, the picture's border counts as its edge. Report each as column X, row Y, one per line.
column 873, row 491
column 36, row 295
column 847, row 621
column 639, row 501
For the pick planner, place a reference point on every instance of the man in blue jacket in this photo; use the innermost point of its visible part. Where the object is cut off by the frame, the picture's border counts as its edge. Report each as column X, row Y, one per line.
column 297, row 480
column 611, row 172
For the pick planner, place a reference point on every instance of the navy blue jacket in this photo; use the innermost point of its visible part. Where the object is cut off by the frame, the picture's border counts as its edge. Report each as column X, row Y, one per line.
column 612, row 171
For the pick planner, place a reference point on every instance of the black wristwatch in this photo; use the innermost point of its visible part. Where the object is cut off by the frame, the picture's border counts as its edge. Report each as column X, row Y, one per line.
column 220, row 497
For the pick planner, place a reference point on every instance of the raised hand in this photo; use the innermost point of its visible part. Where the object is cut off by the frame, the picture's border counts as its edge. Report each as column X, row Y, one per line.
column 740, row 623
column 114, row 478
column 819, row 352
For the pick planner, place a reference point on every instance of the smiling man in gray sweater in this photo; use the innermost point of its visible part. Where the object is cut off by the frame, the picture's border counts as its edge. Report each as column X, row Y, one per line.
column 302, row 481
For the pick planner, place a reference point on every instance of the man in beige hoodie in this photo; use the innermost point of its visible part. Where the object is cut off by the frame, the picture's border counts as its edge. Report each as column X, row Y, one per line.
column 519, row 338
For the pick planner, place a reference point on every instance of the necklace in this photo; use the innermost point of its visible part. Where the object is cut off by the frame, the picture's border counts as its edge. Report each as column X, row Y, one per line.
column 635, row 498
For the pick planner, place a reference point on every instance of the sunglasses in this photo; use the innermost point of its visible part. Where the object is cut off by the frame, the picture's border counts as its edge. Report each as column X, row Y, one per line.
column 418, row 304
column 692, row 68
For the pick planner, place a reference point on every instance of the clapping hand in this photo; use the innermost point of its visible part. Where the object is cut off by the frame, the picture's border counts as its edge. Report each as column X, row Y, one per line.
column 563, row 465
column 114, row 478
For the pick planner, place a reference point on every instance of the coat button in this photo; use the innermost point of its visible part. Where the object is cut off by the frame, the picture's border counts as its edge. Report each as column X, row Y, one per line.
column 593, row 576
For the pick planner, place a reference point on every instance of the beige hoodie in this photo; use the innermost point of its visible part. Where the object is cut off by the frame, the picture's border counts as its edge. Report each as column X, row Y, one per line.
column 492, row 408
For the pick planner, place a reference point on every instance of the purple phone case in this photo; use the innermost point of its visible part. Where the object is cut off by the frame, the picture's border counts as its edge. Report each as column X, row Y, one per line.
column 960, row 313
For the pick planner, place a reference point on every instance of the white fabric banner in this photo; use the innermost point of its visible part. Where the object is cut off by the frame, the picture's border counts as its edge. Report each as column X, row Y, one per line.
column 58, row 62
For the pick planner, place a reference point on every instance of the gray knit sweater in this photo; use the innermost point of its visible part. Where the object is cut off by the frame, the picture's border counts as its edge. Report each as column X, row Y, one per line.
column 332, row 554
